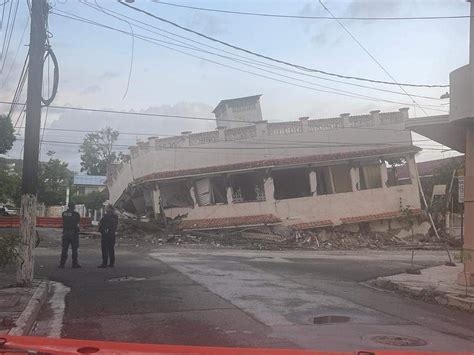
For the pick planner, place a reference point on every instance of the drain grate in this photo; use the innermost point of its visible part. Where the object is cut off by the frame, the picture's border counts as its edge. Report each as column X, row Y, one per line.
column 330, row 319
column 397, row 340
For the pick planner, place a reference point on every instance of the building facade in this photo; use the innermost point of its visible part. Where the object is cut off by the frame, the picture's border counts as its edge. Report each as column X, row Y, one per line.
column 240, row 112
column 306, row 173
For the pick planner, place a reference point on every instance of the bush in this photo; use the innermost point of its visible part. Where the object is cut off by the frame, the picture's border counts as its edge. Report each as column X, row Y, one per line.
column 8, row 249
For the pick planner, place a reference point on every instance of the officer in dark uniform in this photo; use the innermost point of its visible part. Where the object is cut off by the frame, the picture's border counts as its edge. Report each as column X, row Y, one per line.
column 107, row 228
column 71, row 220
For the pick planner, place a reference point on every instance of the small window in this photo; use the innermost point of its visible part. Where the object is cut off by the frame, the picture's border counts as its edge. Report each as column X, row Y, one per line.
column 341, row 177
column 398, row 172
column 175, row 194
column 370, row 177
column 292, row 183
column 211, row 191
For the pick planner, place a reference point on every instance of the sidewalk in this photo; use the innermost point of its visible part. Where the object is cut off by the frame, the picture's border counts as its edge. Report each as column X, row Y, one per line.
column 433, row 284
column 19, row 306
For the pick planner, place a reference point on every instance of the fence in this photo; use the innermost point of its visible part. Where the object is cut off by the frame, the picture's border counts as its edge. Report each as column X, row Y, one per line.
column 50, row 222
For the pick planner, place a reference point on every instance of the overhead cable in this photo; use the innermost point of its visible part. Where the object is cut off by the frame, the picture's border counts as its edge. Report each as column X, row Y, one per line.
column 298, row 66
column 312, row 17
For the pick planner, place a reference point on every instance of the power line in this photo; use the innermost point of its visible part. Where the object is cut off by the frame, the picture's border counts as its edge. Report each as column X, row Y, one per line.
column 370, row 55
column 312, row 17
column 6, row 47
column 335, row 91
column 16, row 53
column 301, row 67
column 254, row 61
column 131, row 113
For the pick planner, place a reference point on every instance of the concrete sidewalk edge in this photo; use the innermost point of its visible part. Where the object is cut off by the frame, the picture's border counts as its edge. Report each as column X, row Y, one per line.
column 25, row 321
column 425, row 294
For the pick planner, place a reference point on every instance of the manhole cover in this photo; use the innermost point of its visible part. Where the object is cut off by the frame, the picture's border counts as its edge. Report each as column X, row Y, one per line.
column 330, row 319
column 397, row 340
column 126, row 278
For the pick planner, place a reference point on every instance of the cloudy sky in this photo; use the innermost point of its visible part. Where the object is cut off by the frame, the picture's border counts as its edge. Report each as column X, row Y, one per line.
column 97, row 63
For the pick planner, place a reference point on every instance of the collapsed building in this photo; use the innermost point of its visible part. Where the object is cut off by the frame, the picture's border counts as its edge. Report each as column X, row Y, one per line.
column 306, row 173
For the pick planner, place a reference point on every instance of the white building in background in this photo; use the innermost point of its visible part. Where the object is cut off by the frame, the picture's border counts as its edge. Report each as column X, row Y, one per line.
column 86, row 184
column 306, row 173
column 239, row 112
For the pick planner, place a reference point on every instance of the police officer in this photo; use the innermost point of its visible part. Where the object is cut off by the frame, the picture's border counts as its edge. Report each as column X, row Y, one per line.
column 107, row 228
column 71, row 220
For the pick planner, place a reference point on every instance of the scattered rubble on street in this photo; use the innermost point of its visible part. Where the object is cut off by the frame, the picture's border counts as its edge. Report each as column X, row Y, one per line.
column 275, row 237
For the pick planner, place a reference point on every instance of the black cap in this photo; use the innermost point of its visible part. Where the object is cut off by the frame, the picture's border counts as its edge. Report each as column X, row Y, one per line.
column 71, row 205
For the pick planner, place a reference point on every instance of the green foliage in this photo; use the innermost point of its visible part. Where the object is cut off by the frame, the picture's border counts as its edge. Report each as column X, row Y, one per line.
column 8, row 249
column 93, row 200
column 97, row 151
column 7, row 134
column 10, row 185
column 54, row 177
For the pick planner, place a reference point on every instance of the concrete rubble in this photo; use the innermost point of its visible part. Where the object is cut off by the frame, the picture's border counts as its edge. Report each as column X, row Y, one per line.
column 275, row 237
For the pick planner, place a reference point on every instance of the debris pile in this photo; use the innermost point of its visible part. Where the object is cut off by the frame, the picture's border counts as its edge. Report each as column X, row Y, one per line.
column 276, row 237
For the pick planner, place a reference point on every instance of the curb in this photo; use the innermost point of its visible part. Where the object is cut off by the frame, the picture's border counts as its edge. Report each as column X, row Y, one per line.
column 25, row 321
column 427, row 295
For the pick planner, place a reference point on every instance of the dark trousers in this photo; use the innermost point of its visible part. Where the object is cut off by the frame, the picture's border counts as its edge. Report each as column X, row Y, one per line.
column 71, row 239
column 108, row 249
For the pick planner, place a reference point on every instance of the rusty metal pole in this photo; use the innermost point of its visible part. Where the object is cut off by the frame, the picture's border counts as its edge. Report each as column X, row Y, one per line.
column 29, row 183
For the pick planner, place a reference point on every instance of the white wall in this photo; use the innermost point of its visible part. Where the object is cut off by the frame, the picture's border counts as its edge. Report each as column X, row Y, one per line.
column 260, row 142
column 315, row 208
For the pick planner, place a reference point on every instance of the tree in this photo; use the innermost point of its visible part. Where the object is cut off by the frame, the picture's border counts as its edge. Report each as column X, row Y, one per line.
column 10, row 183
column 7, row 134
column 97, row 151
column 54, row 178
column 93, row 200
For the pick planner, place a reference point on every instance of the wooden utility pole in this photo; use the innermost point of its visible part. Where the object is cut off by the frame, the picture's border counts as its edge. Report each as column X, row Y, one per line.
column 29, row 183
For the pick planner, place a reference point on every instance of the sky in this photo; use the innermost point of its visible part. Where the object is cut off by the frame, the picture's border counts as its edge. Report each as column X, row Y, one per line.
column 109, row 69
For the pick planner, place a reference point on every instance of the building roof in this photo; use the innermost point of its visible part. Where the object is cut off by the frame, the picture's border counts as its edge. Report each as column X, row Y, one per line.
column 229, row 222
column 427, row 168
column 89, row 180
column 269, row 163
column 237, row 100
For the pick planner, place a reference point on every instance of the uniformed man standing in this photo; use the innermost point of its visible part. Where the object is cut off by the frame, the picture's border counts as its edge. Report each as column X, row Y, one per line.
column 71, row 220
column 107, row 228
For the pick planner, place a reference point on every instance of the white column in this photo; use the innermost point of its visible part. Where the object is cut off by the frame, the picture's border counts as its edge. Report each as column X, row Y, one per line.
column 384, row 175
column 355, row 178
column 269, row 188
column 229, row 195
column 313, row 183
column 192, row 192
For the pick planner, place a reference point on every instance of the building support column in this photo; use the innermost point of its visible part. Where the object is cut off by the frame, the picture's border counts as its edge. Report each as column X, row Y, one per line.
column 269, row 188
column 355, row 179
column 313, row 183
column 230, row 199
column 155, row 193
column 467, row 276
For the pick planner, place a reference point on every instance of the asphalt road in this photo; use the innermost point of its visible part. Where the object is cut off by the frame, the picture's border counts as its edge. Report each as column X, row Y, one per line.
column 245, row 298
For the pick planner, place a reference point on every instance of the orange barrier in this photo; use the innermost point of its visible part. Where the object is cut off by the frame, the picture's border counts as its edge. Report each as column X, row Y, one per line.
column 49, row 222
column 70, row 346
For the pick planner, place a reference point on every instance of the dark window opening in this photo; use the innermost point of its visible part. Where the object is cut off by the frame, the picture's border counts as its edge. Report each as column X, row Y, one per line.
column 323, row 181
column 176, row 195
column 211, row 191
column 247, row 187
column 291, row 183
column 398, row 172
column 341, row 177
column 370, row 177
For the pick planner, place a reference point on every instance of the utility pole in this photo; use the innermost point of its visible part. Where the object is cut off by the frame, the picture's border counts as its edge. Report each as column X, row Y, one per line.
column 29, row 183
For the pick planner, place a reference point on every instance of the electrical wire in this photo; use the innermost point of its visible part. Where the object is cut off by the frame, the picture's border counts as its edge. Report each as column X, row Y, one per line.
column 101, row 9
column 248, row 59
column 370, row 55
column 7, row 47
column 301, row 67
column 3, row 54
column 312, row 17
column 10, row 70
column 336, row 91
